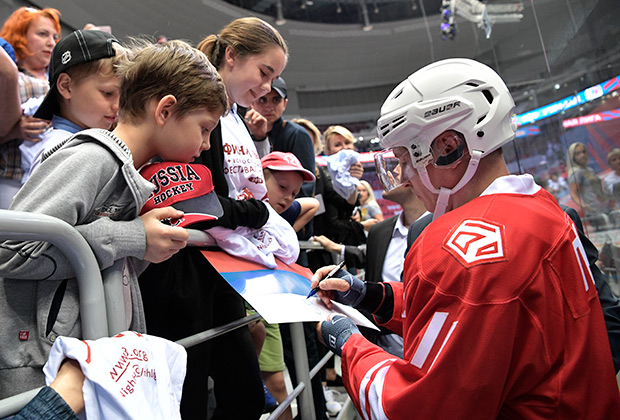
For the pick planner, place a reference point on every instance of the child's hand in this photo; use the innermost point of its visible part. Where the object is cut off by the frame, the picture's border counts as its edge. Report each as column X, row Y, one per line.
column 256, row 123
column 31, row 128
column 162, row 241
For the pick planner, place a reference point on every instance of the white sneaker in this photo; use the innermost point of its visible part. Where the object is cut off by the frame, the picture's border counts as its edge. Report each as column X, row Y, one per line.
column 333, row 406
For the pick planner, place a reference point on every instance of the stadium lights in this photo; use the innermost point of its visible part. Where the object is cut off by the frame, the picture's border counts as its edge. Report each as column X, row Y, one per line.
column 448, row 29
column 483, row 15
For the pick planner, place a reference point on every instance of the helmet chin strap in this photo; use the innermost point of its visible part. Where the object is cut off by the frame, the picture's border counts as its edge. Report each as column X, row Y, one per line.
column 445, row 193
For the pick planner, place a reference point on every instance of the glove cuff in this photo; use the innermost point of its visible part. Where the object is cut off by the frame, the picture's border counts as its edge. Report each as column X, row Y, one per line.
column 337, row 331
column 356, row 292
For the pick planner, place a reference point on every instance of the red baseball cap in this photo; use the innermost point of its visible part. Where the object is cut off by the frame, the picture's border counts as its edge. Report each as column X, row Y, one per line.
column 184, row 186
column 281, row 161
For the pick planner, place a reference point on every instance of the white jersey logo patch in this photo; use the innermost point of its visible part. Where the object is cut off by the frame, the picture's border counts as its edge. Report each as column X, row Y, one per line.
column 475, row 241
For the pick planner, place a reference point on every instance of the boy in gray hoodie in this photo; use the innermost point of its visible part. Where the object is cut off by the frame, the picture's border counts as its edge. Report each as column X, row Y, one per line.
column 171, row 98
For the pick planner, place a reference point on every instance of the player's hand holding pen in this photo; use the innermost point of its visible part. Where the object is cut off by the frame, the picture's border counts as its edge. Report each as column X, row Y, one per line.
column 343, row 287
column 333, row 270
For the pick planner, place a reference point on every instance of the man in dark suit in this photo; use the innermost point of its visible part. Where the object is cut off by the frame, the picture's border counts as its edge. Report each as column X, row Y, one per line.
column 387, row 239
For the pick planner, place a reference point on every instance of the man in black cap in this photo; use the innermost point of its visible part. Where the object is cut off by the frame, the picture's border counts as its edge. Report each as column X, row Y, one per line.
column 279, row 135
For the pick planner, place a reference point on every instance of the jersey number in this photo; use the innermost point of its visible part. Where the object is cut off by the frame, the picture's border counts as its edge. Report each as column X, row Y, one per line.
column 582, row 260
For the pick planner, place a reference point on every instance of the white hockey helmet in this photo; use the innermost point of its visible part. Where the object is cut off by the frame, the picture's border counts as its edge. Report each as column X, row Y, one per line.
column 456, row 94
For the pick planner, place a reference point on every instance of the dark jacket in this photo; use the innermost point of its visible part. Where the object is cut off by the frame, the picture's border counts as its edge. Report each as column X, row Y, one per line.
column 379, row 238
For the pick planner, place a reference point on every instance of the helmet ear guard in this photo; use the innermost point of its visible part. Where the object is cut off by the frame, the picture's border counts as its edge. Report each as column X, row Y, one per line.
column 453, row 148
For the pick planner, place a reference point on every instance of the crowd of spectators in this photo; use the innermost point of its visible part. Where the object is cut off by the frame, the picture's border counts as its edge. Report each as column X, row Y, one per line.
column 89, row 109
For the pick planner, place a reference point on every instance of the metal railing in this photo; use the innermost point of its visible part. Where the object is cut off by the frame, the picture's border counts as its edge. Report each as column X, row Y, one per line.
column 31, row 226
column 102, row 308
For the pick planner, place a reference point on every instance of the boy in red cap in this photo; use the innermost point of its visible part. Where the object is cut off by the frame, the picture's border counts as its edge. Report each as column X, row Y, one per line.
column 284, row 177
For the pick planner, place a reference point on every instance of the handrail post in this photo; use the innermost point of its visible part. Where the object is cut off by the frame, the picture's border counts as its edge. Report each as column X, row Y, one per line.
column 298, row 341
column 114, row 297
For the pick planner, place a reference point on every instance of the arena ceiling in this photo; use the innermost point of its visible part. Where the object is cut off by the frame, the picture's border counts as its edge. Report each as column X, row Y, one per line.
column 341, row 67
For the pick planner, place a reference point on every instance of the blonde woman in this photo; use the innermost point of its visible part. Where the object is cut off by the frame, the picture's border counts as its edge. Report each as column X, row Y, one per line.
column 586, row 188
column 613, row 178
column 369, row 210
column 335, row 222
column 336, row 138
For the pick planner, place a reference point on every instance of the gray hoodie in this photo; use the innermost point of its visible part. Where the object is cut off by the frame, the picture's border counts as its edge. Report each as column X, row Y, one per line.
column 91, row 183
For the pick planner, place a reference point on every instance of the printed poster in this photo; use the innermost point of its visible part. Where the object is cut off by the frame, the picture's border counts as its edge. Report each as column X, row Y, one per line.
column 278, row 295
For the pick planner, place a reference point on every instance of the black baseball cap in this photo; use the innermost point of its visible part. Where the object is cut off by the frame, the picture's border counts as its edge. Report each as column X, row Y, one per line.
column 81, row 46
column 279, row 86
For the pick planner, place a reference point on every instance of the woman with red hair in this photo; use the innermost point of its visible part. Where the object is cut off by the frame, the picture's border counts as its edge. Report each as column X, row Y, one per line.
column 33, row 33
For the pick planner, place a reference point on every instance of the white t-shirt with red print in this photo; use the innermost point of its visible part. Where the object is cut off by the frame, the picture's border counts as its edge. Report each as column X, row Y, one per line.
column 242, row 166
column 244, row 174
column 128, row 376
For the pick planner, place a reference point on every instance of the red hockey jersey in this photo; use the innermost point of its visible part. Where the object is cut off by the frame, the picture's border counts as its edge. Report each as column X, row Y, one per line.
column 500, row 320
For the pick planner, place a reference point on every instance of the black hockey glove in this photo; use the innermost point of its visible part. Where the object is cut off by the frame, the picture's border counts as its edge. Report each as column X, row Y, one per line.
column 337, row 331
column 356, row 292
